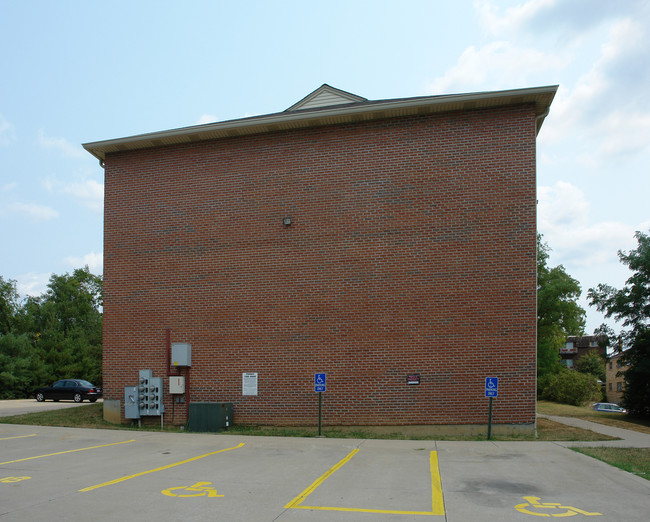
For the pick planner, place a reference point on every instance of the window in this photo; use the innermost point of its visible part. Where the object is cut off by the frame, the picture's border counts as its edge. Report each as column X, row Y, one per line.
column 619, row 386
column 611, row 365
column 610, row 386
column 569, row 348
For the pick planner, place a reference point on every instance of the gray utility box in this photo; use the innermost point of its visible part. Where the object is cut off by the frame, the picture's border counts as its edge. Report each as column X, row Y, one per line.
column 209, row 416
column 131, row 407
column 181, row 354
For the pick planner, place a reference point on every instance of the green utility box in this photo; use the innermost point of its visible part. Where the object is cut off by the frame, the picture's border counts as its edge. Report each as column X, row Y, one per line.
column 210, row 416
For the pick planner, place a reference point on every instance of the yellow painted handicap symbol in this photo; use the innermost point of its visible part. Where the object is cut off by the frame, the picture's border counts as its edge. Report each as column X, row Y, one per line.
column 9, row 480
column 550, row 509
column 200, row 489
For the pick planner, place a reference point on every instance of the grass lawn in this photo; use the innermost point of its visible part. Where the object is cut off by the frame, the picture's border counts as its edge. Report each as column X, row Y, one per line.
column 618, row 420
column 632, row 460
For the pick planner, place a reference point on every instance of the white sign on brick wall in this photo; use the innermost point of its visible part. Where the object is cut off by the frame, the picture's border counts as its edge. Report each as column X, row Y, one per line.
column 249, row 384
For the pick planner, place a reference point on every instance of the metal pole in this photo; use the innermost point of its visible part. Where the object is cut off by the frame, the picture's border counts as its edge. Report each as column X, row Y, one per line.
column 490, row 420
column 320, row 410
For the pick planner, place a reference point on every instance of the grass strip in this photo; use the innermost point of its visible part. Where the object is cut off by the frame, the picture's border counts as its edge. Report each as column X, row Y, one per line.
column 91, row 416
column 632, row 460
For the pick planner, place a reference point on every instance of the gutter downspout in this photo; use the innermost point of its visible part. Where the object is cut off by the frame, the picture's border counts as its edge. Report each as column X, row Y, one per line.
column 538, row 123
column 539, row 118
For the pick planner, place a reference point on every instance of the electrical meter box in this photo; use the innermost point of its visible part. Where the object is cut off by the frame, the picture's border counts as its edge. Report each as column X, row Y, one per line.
column 150, row 394
column 176, row 384
column 181, row 354
column 144, row 377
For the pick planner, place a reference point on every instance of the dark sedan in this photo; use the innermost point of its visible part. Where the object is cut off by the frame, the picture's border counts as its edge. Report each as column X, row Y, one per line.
column 76, row 390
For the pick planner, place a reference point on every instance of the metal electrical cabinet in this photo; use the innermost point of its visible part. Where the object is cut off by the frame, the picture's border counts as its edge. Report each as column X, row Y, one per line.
column 131, row 406
column 150, row 394
column 176, row 385
column 181, row 354
column 210, row 416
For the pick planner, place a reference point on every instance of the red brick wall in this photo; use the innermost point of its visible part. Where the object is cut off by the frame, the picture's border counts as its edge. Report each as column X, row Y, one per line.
column 411, row 250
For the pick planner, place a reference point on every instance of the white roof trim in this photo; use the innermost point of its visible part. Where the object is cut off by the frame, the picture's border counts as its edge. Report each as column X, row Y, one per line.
column 541, row 97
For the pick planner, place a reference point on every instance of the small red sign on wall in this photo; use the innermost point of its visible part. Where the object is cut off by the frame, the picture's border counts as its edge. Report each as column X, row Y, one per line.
column 413, row 378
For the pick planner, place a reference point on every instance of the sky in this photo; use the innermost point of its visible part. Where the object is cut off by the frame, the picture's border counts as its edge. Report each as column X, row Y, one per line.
column 74, row 72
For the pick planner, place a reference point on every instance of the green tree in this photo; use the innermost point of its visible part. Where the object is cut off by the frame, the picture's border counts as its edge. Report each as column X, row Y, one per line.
column 8, row 305
column 22, row 367
column 55, row 335
column 69, row 325
column 592, row 363
column 631, row 305
column 558, row 313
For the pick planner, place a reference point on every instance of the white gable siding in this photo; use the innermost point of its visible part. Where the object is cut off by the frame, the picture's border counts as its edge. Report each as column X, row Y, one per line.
column 324, row 99
column 325, row 96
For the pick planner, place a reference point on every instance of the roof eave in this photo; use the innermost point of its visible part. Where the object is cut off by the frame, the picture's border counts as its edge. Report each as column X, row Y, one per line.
column 541, row 97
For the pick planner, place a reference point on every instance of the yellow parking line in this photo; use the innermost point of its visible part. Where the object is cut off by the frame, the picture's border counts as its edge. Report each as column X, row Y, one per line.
column 437, row 507
column 19, row 436
column 438, row 502
column 300, row 498
column 68, row 451
column 122, row 479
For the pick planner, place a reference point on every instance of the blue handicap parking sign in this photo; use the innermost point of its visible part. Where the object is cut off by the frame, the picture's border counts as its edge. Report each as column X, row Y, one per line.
column 320, row 382
column 491, row 386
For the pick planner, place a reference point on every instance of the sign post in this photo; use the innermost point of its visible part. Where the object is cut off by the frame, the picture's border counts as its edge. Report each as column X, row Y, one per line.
column 320, row 385
column 491, row 391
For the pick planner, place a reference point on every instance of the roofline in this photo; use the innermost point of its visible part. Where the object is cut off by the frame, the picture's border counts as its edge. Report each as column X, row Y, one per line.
column 352, row 98
column 541, row 97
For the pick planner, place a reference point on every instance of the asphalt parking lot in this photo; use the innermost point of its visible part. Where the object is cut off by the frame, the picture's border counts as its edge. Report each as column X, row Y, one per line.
column 51, row 473
column 23, row 406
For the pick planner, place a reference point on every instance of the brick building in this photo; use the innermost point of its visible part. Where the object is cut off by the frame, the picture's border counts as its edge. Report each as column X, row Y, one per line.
column 577, row 347
column 389, row 244
column 615, row 377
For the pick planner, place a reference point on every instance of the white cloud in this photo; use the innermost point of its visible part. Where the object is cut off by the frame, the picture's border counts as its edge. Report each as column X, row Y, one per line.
column 32, row 284
column 566, row 18
column 33, row 211
column 564, row 220
column 88, row 192
column 513, row 18
column 206, row 118
column 93, row 260
column 609, row 102
column 625, row 133
column 602, row 101
column 66, row 148
column 7, row 134
column 497, row 65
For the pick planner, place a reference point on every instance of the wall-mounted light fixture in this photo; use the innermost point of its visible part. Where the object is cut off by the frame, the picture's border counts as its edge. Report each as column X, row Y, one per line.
column 286, row 221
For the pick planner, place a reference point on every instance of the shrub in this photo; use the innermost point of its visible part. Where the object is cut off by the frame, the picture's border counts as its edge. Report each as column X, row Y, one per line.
column 571, row 387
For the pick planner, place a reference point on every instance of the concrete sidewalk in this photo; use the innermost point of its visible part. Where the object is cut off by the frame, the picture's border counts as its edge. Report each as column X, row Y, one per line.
column 629, row 438
column 12, row 407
